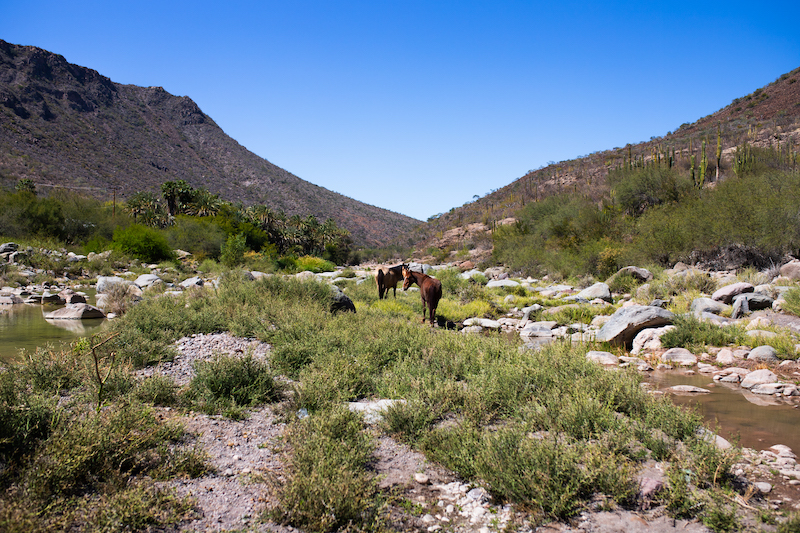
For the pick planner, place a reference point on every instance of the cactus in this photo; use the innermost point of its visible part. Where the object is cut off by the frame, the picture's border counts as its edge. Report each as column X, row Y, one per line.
column 703, row 166
column 719, row 150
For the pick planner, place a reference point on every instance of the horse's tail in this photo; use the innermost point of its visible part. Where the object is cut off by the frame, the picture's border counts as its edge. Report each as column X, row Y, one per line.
column 379, row 281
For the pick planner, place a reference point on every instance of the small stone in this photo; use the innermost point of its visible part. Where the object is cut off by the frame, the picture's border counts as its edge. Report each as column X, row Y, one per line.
column 763, row 487
column 421, row 478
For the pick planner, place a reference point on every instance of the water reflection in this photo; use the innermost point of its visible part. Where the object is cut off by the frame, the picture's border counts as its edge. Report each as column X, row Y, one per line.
column 23, row 326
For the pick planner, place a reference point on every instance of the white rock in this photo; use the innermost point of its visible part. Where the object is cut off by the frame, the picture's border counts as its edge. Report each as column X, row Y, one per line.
column 758, row 377
column 688, row 388
column 680, row 356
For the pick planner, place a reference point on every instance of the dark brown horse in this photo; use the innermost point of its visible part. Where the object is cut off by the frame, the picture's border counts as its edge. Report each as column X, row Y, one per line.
column 388, row 278
column 429, row 288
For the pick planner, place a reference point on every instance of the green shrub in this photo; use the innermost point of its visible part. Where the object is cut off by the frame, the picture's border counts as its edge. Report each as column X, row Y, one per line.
column 157, row 390
column 328, row 487
column 623, row 283
column 644, row 188
column 792, row 305
column 26, row 417
column 140, row 507
column 199, row 235
column 90, row 449
column 232, row 251
column 229, row 381
column 119, row 297
column 143, row 243
column 314, row 264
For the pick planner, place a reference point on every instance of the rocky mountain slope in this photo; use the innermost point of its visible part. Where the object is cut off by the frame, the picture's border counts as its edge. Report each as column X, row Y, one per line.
column 63, row 125
column 766, row 117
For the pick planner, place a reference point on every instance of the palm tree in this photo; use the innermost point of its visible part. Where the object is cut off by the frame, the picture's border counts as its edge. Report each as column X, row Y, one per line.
column 204, row 203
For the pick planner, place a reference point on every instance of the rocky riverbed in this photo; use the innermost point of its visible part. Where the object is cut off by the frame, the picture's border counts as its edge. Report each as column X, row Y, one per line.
column 246, row 455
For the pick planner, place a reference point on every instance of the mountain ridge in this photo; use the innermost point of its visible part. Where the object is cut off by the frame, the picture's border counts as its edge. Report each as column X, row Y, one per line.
column 768, row 115
column 69, row 126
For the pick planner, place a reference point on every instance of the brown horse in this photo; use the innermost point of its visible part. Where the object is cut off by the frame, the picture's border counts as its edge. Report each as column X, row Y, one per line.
column 429, row 288
column 387, row 278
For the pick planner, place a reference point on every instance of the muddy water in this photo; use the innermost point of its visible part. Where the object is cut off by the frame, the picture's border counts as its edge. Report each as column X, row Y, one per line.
column 756, row 421
column 23, row 326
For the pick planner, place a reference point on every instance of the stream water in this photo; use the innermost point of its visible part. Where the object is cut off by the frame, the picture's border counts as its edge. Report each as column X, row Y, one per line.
column 23, row 326
column 754, row 420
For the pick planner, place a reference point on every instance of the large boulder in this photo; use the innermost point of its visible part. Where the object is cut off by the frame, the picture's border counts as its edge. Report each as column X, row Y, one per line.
column 679, row 356
column 649, row 340
column 603, row 358
column 763, row 353
column 641, row 274
column 758, row 377
column 791, row 269
column 708, row 305
column 623, row 325
column 8, row 247
column 10, row 299
column 75, row 312
column 598, row 290
column 194, row 281
column 71, row 297
column 341, row 302
column 755, row 300
column 502, row 283
column 727, row 293
column 146, row 280
column 104, row 283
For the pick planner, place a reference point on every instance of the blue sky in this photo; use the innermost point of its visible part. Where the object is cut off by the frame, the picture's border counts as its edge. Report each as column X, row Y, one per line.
column 418, row 106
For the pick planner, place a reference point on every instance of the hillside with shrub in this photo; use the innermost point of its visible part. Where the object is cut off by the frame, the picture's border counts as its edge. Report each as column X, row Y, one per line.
column 720, row 190
column 64, row 126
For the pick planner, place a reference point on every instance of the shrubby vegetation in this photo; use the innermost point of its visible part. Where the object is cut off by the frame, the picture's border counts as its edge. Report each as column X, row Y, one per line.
column 654, row 213
column 148, row 228
column 548, row 430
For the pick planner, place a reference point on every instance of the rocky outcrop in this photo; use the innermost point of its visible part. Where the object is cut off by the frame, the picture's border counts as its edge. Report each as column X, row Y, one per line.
column 623, row 325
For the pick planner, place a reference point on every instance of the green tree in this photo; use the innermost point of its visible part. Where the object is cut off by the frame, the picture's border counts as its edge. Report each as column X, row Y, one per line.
column 177, row 194
column 233, row 250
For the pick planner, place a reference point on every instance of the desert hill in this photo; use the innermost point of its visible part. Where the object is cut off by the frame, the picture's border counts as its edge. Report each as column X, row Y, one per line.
column 63, row 125
column 768, row 116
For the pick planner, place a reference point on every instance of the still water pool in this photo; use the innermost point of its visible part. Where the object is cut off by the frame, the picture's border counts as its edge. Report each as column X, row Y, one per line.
column 756, row 421
column 23, row 326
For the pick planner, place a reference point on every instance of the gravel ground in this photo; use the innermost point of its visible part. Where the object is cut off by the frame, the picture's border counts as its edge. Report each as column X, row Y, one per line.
column 247, row 465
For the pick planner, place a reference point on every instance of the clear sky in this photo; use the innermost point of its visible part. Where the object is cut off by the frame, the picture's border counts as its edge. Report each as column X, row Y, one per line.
column 418, row 106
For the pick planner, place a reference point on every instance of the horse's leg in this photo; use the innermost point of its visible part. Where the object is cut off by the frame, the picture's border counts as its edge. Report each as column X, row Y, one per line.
column 424, row 309
column 395, row 292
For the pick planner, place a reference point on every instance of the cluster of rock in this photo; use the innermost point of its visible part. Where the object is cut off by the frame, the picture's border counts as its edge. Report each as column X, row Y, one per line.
column 639, row 328
column 778, row 463
column 10, row 252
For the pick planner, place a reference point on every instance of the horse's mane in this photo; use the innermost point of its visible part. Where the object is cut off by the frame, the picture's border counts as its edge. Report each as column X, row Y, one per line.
column 397, row 269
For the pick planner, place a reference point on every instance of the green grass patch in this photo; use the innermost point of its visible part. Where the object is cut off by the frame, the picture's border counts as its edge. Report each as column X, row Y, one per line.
column 695, row 335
